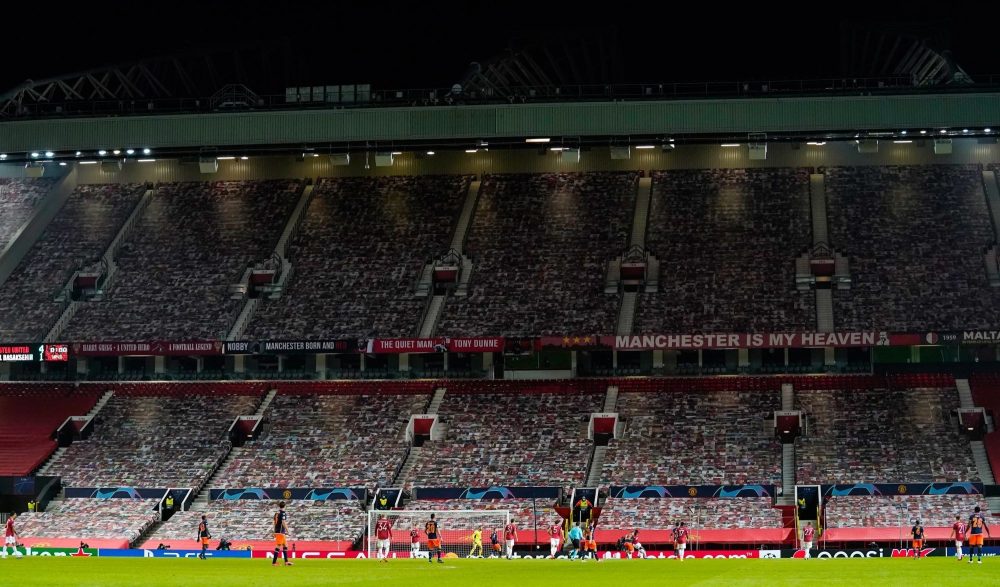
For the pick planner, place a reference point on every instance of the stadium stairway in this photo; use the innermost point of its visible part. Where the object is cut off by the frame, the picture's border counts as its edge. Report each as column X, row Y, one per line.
column 200, row 501
column 978, row 448
column 432, row 314
column 137, row 543
column 57, row 456
column 824, row 310
column 640, row 217
column 787, row 396
column 596, row 464
column 992, row 196
column 787, row 475
column 611, row 400
column 964, row 394
column 266, row 402
column 404, row 471
column 626, row 313
column 465, row 218
column 435, row 404
column 817, row 205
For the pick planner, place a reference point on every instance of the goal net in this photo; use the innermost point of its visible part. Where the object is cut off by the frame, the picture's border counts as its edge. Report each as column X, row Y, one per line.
column 455, row 530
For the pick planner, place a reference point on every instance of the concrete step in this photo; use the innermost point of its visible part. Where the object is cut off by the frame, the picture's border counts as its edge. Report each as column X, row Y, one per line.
column 266, row 402
column 964, row 394
column 787, row 474
column 626, row 313
column 824, row 310
column 983, row 466
column 787, row 396
column 201, row 499
column 611, row 399
column 436, row 400
column 596, row 464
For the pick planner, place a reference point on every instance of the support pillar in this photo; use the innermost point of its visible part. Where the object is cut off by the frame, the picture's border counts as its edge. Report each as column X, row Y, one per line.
column 743, row 357
column 321, row 366
column 658, row 359
column 159, row 365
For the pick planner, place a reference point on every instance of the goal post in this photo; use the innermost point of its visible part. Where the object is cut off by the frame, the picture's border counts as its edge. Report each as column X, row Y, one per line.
column 455, row 531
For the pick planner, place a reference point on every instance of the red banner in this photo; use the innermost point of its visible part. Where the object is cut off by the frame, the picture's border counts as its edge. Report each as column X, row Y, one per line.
column 330, row 554
column 645, row 342
column 687, row 554
column 577, row 341
column 435, row 345
column 161, row 348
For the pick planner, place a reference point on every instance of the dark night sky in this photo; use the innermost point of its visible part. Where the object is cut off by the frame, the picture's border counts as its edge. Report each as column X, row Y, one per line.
column 430, row 44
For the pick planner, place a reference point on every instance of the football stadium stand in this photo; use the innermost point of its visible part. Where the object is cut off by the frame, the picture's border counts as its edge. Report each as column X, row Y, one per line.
column 532, row 435
column 73, row 241
column 541, row 244
column 914, row 237
column 119, row 522
column 701, row 437
column 657, row 514
column 338, row 523
column 727, row 241
column 191, row 243
column 29, row 417
column 893, row 511
column 880, row 436
column 18, row 199
column 358, row 255
column 152, row 435
column 526, row 513
column 326, row 440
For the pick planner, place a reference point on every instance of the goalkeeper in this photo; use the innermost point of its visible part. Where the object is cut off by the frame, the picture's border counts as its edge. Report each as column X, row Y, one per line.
column 477, row 543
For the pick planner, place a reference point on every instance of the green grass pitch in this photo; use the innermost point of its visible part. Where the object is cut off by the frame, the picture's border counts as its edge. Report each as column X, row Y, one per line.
column 520, row 573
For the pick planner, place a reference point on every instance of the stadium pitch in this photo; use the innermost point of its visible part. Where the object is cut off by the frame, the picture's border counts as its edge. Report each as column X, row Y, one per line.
column 522, row 573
